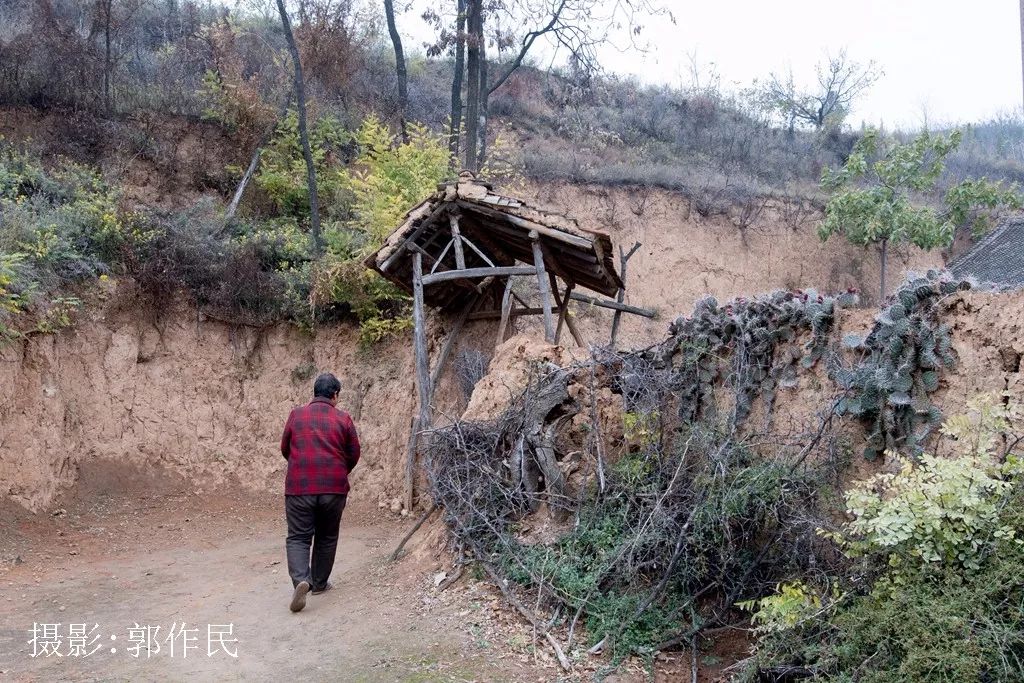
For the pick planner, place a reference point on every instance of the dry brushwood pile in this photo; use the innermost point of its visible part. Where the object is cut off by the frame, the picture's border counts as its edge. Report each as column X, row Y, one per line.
column 656, row 529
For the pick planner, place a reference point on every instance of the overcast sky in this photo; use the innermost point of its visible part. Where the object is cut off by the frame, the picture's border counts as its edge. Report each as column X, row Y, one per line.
column 958, row 60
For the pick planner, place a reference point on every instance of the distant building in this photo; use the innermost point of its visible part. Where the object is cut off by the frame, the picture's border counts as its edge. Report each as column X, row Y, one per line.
column 998, row 258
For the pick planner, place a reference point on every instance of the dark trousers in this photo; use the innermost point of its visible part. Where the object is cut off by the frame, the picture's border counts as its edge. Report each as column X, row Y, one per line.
column 313, row 521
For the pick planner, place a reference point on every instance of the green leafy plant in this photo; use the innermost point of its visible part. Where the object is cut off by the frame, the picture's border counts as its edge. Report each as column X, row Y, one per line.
column 389, row 177
column 935, row 590
column 640, row 426
column 792, row 604
column 392, row 176
column 282, row 171
column 939, row 510
column 880, row 195
column 59, row 226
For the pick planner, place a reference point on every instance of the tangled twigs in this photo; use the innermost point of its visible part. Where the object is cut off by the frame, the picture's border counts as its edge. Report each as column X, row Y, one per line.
column 563, row 661
column 675, row 517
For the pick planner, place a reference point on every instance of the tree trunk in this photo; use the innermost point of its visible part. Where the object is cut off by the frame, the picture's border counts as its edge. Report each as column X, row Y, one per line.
column 885, row 250
column 307, row 153
column 481, row 130
column 455, row 129
column 400, row 72
column 107, row 62
column 474, row 22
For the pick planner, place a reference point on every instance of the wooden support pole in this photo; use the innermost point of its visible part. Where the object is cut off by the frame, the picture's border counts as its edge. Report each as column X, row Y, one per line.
column 570, row 322
column 460, row 255
column 439, row 259
column 482, row 255
column 416, row 527
column 506, row 308
column 614, row 305
column 563, row 310
column 516, row 312
column 420, row 341
column 553, row 281
column 621, row 296
column 485, row 283
column 542, row 282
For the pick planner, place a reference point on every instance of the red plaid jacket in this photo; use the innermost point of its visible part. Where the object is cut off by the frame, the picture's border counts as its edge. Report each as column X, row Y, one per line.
column 321, row 447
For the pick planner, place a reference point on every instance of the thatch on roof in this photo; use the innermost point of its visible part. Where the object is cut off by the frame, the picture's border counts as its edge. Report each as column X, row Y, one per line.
column 499, row 231
column 998, row 257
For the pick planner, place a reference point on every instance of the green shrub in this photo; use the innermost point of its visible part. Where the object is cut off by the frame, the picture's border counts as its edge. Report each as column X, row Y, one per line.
column 939, row 510
column 704, row 524
column 391, row 177
column 388, row 178
column 937, row 593
column 282, row 170
column 58, row 226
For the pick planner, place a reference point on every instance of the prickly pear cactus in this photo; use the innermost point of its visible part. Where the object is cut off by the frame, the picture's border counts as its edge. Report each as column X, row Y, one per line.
column 750, row 345
column 898, row 364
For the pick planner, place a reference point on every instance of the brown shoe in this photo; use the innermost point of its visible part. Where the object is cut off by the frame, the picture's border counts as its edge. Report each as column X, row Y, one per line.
column 299, row 597
column 327, row 586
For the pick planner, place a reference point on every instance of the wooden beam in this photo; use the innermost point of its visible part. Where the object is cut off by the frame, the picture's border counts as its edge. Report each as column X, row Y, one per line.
column 614, row 305
column 411, row 239
column 542, row 281
column 570, row 322
column 495, row 314
column 437, row 261
column 484, row 239
column 420, row 341
column 506, row 307
column 500, row 271
column 485, row 283
column 482, row 255
column 460, row 256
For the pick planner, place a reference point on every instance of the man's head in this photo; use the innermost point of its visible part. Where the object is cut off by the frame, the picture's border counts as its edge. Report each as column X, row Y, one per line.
column 326, row 386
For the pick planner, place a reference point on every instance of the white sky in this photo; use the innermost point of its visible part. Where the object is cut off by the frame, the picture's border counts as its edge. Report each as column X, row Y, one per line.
column 958, row 60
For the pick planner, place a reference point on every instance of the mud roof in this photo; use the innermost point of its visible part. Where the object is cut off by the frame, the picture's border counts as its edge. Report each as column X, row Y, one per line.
column 490, row 231
column 998, row 258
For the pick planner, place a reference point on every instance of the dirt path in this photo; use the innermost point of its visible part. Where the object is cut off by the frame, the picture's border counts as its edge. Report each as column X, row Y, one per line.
column 166, row 559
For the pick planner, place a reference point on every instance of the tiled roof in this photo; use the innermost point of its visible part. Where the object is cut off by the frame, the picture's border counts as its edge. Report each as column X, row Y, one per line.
column 998, row 257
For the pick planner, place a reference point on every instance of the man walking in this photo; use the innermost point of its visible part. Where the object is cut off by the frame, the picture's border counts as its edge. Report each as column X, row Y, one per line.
column 322, row 448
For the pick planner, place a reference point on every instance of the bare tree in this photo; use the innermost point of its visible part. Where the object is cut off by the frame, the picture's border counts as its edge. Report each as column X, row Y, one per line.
column 455, row 128
column 400, row 70
column 474, row 42
column 307, row 153
column 105, row 8
column 576, row 27
column 839, row 82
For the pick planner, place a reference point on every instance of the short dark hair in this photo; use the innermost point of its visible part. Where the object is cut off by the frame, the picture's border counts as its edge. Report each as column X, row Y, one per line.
column 326, row 386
